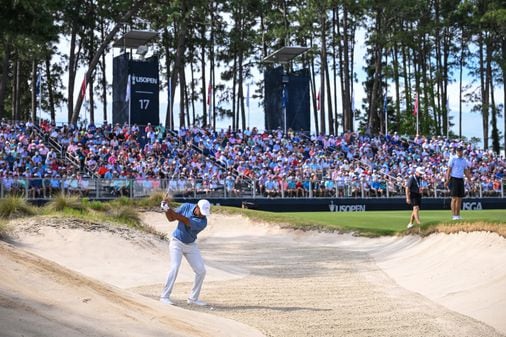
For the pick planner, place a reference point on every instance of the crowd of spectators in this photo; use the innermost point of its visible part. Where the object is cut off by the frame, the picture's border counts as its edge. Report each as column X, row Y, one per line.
column 231, row 163
column 351, row 164
column 26, row 162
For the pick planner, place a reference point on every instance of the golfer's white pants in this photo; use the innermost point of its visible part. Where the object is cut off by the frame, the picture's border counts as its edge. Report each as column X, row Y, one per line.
column 192, row 254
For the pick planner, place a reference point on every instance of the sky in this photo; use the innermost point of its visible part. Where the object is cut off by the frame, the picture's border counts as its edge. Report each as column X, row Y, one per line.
column 471, row 125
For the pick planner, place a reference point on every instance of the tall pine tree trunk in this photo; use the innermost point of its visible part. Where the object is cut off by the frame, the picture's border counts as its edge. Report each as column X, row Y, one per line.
column 373, row 120
column 49, row 81
column 395, row 52
column 503, row 67
column 334, row 67
column 314, row 96
column 104, row 76
column 461, row 82
column 484, row 89
column 323, row 68
column 34, row 89
column 203, row 67
column 329, row 102
column 101, row 49
column 348, row 76
column 4, row 80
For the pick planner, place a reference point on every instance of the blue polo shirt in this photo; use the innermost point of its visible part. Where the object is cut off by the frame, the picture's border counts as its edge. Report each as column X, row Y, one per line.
column 183, row 233
column 458, row 166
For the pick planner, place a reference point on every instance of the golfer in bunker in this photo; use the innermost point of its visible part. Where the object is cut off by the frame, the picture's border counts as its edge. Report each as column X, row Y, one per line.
column 192, row 219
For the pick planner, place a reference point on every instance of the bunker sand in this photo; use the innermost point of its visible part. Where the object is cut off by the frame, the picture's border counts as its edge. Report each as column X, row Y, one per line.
column 261, row 280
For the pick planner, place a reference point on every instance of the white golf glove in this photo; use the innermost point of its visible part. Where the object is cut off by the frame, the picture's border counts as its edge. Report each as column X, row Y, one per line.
column 164, row 206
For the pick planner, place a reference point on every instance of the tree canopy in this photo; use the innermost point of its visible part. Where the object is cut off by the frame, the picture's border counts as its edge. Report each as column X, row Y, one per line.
column 415, row 51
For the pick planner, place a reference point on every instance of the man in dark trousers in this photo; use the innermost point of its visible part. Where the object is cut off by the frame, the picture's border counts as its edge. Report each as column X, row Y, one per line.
column 414, row 195
column 458, row 166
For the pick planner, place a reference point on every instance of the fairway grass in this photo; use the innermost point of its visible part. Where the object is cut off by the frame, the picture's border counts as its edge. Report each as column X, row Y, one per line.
column 378, row 223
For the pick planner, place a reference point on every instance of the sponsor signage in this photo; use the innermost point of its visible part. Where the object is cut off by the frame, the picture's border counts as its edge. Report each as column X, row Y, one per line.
column 144, row 106
column 340, row 205
column 346, row 208
column 471, row 206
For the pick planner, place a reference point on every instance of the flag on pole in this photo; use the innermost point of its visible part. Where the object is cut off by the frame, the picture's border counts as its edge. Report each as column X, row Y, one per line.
column 128, row 88
column 284, row 97
column 352, row 98
column 209, row 93
column 83, row 88
column 318, row 101
column 385, row 105
column 169, row 90
column 38, row 92
column 415, row 113
column 447, row 118
column 385, row 111
column 37, row 85
column 247, row 96
column 415, row 109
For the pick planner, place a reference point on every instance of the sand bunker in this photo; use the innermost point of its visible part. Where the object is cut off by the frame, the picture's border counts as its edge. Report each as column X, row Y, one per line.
column 66, row 279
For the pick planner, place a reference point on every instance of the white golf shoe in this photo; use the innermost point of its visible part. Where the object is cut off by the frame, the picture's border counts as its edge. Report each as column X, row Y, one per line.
column 196, row 302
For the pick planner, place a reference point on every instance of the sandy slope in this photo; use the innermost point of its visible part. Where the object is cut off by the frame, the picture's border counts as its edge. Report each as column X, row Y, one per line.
column 281, row 282
column 41, row 298
column 464, row 272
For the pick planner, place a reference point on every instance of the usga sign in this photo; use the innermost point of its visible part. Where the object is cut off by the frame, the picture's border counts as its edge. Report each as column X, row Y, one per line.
column 471, row 206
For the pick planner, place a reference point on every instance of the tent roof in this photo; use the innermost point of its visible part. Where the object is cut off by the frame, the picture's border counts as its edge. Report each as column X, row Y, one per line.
column 285, row 54
column 134, row 39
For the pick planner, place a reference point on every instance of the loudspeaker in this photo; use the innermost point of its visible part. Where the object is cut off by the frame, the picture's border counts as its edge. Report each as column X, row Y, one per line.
column 273, row 86
column 298, row 115
column 290, row 92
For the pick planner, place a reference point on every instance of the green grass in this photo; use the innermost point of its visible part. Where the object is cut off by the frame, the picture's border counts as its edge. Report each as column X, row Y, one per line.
column 14, row 207
column 377, row 223
column 62, row 202
column 126, row 215
column 391, row 222
column 122, row 211
column 370, row 223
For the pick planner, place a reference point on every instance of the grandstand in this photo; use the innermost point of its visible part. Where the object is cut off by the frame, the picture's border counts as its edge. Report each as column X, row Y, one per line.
column 107, row 161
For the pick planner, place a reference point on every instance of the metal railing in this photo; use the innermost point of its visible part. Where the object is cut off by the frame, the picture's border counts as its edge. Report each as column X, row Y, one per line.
column 99, row 188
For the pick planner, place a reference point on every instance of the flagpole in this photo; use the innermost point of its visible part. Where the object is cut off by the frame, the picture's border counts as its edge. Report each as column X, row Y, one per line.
column 352, row 98
column 169, row 88
column 386, row 122
column 38, row 107
column 386, row 112
column 284, row 102
column 447, row 119
column 417, row 132
column 128, row 94
column 416, row 113
column 247, row 101
column 210, row 111
column 209, row 102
